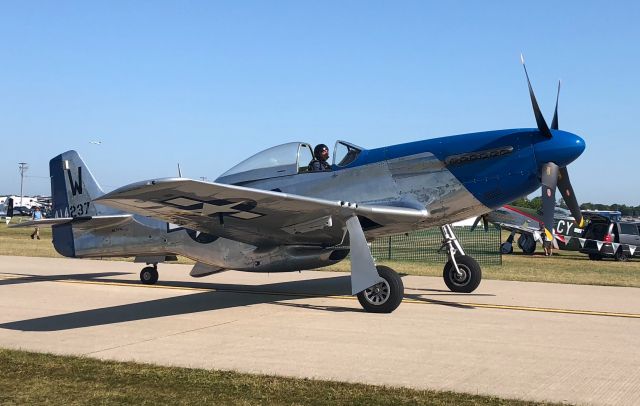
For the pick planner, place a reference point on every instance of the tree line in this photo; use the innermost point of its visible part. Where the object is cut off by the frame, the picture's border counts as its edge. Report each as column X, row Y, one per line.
column 536, row 204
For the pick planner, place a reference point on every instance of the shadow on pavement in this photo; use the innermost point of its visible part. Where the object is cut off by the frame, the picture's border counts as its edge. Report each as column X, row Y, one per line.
column 420, row 298
column 335, row 309
column 224, row 296
column 214, row 296
column 27, row 278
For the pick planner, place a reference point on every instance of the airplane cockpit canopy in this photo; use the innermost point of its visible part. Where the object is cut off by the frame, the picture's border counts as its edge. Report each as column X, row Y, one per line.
column 344, row 153
column 283, row 160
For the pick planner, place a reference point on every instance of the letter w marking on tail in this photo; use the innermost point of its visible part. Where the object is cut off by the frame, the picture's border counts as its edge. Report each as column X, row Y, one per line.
column 76, row 187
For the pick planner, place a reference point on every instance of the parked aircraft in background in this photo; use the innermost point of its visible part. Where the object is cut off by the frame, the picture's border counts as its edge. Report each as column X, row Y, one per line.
column 269, row 213
column 6, row 210
column 527, row 223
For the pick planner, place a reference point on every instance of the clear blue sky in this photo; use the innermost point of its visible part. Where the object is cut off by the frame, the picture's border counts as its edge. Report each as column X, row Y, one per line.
column 207, row 83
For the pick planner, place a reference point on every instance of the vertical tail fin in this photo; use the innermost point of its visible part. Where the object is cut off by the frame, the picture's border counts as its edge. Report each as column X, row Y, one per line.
column 73, row 187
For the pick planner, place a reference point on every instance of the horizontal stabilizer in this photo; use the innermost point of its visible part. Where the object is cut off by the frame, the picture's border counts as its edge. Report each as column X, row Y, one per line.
column 84, row 223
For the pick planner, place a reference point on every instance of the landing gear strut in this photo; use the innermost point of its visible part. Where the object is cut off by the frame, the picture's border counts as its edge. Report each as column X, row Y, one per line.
column 461, row 273
column 149, row 274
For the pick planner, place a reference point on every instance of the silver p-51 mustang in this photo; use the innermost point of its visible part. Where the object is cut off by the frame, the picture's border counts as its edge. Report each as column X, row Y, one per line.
column 271, row 214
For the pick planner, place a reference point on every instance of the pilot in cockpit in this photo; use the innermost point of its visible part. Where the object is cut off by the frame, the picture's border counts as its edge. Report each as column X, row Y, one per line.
column 320, row 157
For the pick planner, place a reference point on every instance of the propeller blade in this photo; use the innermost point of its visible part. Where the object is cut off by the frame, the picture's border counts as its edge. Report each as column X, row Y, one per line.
column 542, row 125
column 554, row 123
column 485, row 223
column 549, row 182
column 569, row 196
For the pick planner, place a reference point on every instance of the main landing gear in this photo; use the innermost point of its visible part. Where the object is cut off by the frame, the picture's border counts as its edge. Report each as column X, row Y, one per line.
column 461, row 273
column 507, row 246
column 526, row 242
column 149, row 274
column 385, row 296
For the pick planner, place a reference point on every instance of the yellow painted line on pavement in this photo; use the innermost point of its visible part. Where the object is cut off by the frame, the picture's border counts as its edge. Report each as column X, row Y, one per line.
column 531, row 309
column 135, row 284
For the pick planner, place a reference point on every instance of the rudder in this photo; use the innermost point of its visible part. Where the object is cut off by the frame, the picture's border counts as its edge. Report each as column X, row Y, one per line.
column 73, row 189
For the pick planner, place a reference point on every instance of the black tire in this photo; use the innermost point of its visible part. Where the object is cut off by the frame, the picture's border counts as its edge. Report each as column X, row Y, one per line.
column 621, row 255
column 506, row 248
column 595, row 257
column 468, row 281
column 527, row 244
column 383, row 297
column 149, row 275
column 530, row 250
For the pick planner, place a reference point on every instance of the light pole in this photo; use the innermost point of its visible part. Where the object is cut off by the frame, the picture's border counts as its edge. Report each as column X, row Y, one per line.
column 22, row 168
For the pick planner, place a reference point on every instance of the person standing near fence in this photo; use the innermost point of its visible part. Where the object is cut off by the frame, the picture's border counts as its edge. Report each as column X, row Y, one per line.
column 37, row 215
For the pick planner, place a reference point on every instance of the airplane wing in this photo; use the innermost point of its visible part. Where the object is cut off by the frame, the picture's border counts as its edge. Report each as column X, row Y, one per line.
column 254, row 216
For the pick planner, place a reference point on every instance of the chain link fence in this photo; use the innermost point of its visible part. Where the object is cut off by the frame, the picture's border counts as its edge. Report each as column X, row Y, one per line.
column 424, row 246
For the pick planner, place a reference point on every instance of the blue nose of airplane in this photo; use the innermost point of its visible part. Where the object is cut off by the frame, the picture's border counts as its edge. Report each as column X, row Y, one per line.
column 562, row 149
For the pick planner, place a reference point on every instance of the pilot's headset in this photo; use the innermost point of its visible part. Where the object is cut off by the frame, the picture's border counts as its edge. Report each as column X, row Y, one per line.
column 317, row 151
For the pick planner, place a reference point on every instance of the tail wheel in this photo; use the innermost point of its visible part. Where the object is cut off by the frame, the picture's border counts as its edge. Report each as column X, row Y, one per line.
column 149, row 275
column 465, row 281
column 383, row 297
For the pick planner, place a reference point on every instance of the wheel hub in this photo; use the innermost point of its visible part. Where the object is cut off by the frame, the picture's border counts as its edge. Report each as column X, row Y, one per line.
column 461, row 277
column 378, row 294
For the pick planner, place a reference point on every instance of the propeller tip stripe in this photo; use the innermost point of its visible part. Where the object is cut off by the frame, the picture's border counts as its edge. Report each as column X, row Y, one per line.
column 548, row 234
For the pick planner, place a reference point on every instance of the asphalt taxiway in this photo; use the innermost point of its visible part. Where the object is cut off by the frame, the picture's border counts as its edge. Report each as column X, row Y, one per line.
column 537, row 341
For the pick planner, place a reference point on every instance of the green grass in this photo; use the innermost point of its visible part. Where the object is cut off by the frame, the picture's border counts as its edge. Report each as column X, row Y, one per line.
column 16, row 241
column 32, row 378
column 562, row 267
